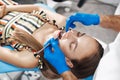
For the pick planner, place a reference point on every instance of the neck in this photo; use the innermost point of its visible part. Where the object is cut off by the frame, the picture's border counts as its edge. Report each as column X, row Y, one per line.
column 44, row 33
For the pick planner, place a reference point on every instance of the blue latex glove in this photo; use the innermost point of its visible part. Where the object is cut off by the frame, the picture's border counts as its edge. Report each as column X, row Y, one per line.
column 56, row 58
column 86, row 19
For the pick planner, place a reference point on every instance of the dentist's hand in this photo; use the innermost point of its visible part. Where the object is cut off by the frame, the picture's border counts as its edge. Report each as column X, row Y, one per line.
column 56, row 57
column 86, row 19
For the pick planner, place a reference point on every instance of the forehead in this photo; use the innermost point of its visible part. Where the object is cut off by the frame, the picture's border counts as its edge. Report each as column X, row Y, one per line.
column 87, row 46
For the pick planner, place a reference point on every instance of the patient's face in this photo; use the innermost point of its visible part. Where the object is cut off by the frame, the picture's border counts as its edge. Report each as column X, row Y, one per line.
column 76, row 45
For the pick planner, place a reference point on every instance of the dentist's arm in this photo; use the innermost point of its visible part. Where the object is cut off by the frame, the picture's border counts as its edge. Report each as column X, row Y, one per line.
column 53, row 57
column 106, row 21
column 110, row 21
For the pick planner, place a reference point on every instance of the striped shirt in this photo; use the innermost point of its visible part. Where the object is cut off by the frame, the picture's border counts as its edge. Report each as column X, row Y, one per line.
column 25, row 21
column 7, row 2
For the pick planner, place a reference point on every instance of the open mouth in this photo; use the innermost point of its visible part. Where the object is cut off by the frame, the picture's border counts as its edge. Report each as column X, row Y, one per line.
column 61, row 34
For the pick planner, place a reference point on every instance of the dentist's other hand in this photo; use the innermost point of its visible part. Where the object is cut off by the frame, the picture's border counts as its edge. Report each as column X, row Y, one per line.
column 86, row 19
column 54, row 55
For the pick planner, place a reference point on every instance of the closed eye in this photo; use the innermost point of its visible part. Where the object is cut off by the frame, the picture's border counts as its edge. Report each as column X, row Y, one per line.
column 73, row 45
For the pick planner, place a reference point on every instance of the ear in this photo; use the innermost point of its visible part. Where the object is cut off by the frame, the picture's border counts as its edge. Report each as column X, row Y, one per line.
column 69, row 63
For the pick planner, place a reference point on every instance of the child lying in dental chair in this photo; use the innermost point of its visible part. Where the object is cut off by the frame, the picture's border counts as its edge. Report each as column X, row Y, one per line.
column 27, row 27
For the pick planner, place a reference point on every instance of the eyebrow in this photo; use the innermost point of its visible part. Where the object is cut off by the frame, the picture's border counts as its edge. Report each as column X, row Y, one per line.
column 80, row 35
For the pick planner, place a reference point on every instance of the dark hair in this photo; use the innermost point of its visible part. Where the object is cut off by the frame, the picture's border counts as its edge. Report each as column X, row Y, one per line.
column 49, row 71
column 87, row 66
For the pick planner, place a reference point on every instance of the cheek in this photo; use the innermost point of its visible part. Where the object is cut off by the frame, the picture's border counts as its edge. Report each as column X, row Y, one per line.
column 64, row 45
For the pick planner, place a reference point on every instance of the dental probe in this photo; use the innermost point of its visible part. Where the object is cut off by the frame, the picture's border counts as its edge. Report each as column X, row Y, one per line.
column 38, row 52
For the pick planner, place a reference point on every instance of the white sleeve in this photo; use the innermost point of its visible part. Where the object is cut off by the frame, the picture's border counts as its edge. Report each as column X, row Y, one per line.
column 117, row 12
column 109, row 66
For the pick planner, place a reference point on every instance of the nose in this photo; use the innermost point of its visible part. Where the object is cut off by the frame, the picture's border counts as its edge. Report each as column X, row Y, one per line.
column 71, row 34
column 73, row 31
